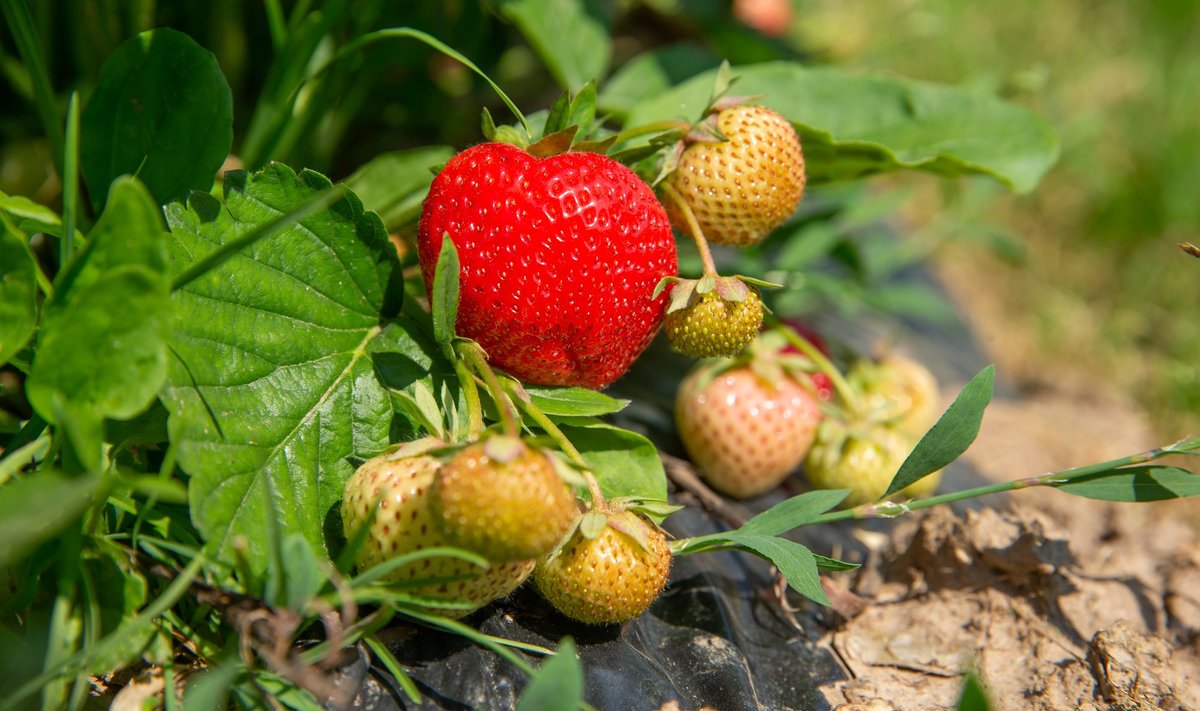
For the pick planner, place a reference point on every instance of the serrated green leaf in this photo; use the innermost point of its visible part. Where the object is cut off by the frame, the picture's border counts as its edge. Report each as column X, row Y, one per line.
column 574, row 402
column 18, row 291
column 444, row 299
column 854, row 124
column 625, row 463
column 162, row 110
column 271, row 390
column 793, row 512
column 793, row 560
column 1130, row 484
column 570, row 36
column 558, row 683
column 953, row 433
column 393, row 185
column 37, row 508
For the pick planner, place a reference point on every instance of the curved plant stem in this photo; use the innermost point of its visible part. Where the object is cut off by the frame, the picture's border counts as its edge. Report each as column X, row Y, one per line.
column 471, row 392
column 560, row 438
column 648, row 128
column 891, row 509
column 710, row 268
column 476, row 359
column 816, row 356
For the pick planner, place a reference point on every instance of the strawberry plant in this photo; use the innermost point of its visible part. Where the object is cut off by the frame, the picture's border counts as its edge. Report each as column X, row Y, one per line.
column 260, row 426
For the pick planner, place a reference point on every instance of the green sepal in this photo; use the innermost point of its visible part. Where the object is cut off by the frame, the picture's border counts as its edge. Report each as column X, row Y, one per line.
column 592, row 524
column 554, row 144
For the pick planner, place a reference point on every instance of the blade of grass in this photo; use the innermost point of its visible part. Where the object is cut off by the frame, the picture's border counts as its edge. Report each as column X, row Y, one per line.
column 393, row 666
column 486, row 641
column 29, row 46
column 319, row 202
column 70, row 178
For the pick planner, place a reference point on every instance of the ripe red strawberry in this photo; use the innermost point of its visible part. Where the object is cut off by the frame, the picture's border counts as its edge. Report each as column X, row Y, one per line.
column 503, row 500
column 863, row 459
column 742, row 188
column 399, row 484
column 746, row 433
column 718, row 323
column 559, row 260
column 611, row 577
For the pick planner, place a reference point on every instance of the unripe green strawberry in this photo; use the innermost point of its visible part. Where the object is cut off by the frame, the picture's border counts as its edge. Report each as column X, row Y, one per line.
column 715, row 324
column 611, row 577
column 900, row 391
column 745, row 432
column 503, row 500
column 742, row 188
column 399, row 484
column 865, row 462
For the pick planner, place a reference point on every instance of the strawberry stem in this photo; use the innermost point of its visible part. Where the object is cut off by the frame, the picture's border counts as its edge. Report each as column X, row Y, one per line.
column 476, row 358
column 560, row 438
column 647, row 128
column 845, row 391
column 710, row 267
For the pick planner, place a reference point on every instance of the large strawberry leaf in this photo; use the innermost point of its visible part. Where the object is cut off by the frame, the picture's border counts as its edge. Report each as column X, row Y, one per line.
column 570, row 36
column 855, row 124
column 162, row 110
column 272, row 392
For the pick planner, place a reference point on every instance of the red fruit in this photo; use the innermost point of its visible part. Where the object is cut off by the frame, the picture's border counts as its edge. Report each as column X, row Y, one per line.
column 559, row 260
column 746, row 434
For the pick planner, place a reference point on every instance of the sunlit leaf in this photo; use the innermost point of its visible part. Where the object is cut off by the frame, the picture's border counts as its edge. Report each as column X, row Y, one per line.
column 271, row 390
column 951, row 435
column 853, row 124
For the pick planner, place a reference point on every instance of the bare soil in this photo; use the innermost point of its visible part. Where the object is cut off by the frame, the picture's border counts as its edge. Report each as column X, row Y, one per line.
column 1057, row 602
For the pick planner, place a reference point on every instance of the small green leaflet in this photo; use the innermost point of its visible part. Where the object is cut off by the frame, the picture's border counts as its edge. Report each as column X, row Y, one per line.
column 392, row 185
column 793, row 560
column 951, row 435
column 444, row 302
column 792, row 513
column 625, row 463
column 558, row 684
column 102, row 349
column 37, row 508
column 973, row 697
column 1132, row 484
column 18, row 291
column 573, row 402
